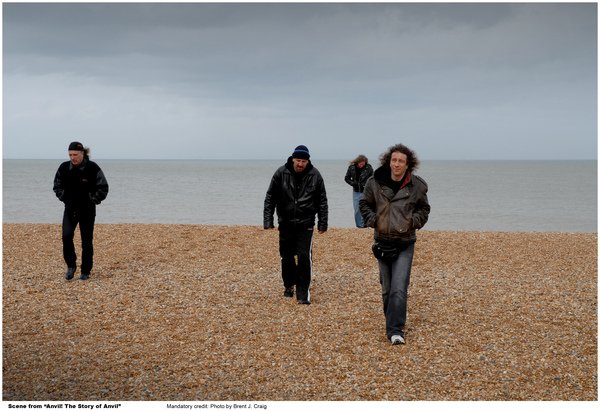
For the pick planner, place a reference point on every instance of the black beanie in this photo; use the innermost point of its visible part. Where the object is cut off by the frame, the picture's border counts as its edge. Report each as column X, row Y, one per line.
column 76, row 145
column 301, row 152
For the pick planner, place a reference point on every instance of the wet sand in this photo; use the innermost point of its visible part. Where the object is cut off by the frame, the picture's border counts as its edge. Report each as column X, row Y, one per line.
column 187, row 312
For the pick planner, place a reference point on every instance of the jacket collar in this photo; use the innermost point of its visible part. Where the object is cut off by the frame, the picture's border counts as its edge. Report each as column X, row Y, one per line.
column 383, row 175
column 81, row 166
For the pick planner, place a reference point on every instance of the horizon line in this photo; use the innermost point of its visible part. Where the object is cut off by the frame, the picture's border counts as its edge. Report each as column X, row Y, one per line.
column 279, row 159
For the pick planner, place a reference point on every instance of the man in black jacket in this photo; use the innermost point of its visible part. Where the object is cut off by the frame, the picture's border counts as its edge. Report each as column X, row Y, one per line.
column 297, row 193
column 81, row 185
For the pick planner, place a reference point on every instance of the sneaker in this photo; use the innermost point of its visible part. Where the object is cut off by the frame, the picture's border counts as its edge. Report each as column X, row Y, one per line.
column 288, row 292
column 84, row 277
column 304, row 302
column 70, row 273
column 397, row 339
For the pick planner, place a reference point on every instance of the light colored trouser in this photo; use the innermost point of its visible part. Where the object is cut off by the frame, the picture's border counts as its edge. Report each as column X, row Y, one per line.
column 357, row 217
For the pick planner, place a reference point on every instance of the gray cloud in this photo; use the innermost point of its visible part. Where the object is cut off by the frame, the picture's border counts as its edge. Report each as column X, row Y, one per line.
column 453, row 80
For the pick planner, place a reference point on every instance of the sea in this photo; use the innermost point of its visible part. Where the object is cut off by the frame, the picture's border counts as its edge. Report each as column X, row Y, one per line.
column 507, row 196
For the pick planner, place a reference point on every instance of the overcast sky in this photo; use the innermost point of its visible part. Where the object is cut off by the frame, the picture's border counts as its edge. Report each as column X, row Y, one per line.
column 452, row 81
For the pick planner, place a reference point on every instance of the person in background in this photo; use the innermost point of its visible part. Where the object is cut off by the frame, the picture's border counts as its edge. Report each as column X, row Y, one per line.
column 297, row 193
column 80, row 184
column 357, row 175
column 395, row 204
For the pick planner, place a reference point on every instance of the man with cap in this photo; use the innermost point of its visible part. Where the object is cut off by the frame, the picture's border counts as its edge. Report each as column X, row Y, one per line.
column 297, row 193
column 80, row 184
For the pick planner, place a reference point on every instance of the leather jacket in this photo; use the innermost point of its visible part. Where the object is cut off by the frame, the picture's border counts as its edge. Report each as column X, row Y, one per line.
column 394, row 216
column 358, row 184
column 296, row 197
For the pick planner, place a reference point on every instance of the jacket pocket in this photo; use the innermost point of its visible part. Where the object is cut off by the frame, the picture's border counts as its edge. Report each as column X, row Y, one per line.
column 400, row 221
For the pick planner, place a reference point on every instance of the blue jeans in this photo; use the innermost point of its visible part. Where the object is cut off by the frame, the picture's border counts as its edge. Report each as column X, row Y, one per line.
column 357, row 217
column 394, row 278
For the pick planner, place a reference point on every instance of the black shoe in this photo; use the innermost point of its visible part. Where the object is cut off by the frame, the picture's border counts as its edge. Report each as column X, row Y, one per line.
column 288, row 292
column 84, row 277
column 303, row 302
column 70, row 273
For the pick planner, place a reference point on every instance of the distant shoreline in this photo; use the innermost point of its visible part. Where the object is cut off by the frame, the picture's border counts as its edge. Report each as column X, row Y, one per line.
column 314, row 159
column 233, row 226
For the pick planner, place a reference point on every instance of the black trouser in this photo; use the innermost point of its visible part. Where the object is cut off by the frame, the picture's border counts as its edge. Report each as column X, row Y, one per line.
column 86, row 227
column 296, row 242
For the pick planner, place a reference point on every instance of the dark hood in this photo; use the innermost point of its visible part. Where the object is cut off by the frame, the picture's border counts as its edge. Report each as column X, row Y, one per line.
column 383, row 175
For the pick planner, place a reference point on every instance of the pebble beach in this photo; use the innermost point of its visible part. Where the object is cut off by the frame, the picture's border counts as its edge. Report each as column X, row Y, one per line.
column 197, row 313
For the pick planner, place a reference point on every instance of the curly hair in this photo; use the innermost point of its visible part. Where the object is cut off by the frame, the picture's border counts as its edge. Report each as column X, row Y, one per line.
column 359, row 158
column 412, row 161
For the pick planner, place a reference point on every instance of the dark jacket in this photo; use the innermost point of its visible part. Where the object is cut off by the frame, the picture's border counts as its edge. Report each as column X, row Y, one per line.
column 80, row 188
column 358, row 183
column 394, row 216
column 296, row 197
